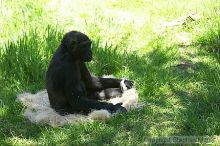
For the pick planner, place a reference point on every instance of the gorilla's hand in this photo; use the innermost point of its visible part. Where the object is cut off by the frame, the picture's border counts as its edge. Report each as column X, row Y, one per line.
column 128, row 84
column 118, row 108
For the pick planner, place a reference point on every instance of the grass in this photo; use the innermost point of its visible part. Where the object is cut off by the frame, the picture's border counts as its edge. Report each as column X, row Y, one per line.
column 179, row 100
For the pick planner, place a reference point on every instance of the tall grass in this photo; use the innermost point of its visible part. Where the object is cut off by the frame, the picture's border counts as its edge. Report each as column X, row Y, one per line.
column 24, row 62
column 209, row 35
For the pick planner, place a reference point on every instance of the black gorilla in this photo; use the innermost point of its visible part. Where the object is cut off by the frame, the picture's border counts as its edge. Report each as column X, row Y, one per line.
column 70, row 86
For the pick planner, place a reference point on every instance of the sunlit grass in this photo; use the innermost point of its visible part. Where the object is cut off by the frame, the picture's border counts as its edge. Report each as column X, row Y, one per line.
column 129, row 40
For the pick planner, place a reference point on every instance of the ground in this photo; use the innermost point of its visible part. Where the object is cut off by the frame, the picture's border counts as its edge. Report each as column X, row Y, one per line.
column 169, row 48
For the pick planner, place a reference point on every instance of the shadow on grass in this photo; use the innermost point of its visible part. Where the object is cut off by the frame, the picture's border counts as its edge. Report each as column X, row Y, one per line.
column 172, row 108
column 200, row 97
column 23, row 65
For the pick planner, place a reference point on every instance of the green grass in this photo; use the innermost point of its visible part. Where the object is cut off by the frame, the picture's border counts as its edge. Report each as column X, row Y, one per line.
column 178, row 101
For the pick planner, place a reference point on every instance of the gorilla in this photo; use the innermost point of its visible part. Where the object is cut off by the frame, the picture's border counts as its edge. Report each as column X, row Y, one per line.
column 70, row 86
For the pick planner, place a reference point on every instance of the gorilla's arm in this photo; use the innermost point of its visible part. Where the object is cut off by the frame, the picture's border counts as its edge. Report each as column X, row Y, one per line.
column 104, row 83
column 97, row 83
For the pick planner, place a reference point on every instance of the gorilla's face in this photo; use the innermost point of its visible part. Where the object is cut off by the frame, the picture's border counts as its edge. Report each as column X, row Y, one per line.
column 84, row 50
column 78, row 45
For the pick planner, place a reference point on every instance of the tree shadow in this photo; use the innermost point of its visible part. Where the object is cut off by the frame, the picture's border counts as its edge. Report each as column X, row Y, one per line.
column 200, row 115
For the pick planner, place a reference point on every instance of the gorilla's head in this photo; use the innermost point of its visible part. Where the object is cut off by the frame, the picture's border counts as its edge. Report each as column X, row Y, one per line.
column 78, row 45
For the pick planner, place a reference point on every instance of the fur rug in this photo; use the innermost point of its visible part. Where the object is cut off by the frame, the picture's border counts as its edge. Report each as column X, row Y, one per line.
column 38, row 108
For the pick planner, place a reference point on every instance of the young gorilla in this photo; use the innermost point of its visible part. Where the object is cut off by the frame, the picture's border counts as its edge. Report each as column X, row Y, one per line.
column 70, row 86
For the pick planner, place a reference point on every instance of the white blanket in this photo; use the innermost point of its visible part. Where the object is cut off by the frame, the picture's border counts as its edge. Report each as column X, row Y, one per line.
column 38, row 108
